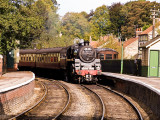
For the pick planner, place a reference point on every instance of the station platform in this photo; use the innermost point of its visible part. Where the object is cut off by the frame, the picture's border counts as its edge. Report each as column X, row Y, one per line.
column 14, row 80
column 15, row 89
column 151, row 83
column 144, row 89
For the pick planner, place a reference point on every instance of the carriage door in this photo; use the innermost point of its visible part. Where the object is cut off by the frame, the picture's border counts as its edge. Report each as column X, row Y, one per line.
column 153, row 68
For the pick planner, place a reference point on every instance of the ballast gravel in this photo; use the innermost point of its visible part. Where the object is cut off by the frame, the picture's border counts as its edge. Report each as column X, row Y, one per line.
column 82, row 106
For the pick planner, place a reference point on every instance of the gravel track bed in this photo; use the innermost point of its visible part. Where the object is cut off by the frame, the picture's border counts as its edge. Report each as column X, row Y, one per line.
column 116, row 107
column 52, row 105
column 83, row 106
column 38, row 93
column 146, row 113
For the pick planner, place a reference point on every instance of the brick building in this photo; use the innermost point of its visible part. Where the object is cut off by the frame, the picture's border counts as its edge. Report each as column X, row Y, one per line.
column 132, row 48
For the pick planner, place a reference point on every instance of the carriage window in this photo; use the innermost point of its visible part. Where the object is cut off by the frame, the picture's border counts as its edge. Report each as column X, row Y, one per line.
column 29, row 58
column 115, row 56
column 42, row 58
column 51, row 59
column 108, row 56
column 55, row 59
column 102, row 56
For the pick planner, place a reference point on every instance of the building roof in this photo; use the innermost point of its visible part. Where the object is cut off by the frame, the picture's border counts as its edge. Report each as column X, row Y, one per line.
column 129, row 41
column 147, row 30
column 94, row 44
column 151, row 42
column 105, row 49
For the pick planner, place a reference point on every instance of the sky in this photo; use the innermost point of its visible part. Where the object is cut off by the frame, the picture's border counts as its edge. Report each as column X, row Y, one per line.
column 86, row 5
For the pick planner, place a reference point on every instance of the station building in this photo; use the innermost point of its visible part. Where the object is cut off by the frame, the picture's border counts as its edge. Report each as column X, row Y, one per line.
column 151, row 58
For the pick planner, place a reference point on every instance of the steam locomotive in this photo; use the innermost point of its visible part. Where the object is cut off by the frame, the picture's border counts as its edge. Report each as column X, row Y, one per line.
column 78, row 62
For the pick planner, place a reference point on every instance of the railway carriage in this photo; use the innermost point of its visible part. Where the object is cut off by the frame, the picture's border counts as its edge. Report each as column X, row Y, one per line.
column 27, row 58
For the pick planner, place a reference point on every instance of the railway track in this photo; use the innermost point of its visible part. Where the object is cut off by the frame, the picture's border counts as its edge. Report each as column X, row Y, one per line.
column 128, row 101
column 46, row 107
column 85, row 104
column 68, row 101
column 117, row 106
column 101, row 101
column 32, row 107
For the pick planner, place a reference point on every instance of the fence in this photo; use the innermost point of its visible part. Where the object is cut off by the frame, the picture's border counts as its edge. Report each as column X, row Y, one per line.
column 132, row 67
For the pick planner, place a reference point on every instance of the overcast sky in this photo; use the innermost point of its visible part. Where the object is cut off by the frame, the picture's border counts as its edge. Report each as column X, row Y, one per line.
column 85, row 5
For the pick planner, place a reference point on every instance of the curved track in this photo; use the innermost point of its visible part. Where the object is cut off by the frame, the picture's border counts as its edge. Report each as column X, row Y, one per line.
column 102, row 103
column 69, row 97
column 47, row 107
column 36, row 104
column 129, row 102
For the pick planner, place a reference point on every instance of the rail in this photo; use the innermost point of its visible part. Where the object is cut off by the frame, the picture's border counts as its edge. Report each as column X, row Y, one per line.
column 68, row 101
column 133, row 106
column 103, row 107
column 36, row 104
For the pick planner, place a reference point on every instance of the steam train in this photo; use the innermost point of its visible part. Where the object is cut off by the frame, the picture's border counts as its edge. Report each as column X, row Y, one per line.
column 78, row 62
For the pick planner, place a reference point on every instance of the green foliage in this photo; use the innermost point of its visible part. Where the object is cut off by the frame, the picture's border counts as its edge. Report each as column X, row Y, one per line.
column 75, row 25
column 17, row 22
column 145, row 27
column 136, row 14
column 47, row 9
column 116, row 17
column 113, row 44
column 100, row 22
column 142, row 0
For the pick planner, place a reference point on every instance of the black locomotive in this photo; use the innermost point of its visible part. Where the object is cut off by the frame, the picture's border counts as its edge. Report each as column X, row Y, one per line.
column 78, row 61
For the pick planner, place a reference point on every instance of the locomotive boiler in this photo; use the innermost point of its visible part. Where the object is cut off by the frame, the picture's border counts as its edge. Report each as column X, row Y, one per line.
column 78, row 62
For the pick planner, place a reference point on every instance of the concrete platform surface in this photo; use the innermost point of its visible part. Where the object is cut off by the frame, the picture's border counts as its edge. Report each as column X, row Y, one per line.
column 14, row 80
column 151, row 83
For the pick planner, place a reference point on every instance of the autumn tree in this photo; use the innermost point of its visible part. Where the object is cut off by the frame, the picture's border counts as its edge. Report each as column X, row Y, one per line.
column 136, row 14
column 75, row 25
column 100, row 22
column 47, row 9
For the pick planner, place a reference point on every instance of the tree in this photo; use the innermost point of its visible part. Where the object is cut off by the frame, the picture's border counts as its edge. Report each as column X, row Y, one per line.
column 75, row 25
column 100, row 22
column 17, row 22
column 47, row 9
column 116, row 18
column 136, row 14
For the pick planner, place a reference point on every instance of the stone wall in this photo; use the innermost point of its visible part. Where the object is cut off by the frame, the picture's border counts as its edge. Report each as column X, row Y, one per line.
column 12, row 99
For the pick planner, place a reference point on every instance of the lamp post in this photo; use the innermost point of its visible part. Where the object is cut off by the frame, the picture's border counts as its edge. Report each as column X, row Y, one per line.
column 122, row 59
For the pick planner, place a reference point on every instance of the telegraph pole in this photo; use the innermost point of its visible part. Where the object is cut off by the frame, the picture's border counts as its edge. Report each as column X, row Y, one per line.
column 153, row 16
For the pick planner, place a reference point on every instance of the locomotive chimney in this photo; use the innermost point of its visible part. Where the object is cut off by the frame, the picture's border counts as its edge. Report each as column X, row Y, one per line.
column 86, row 43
